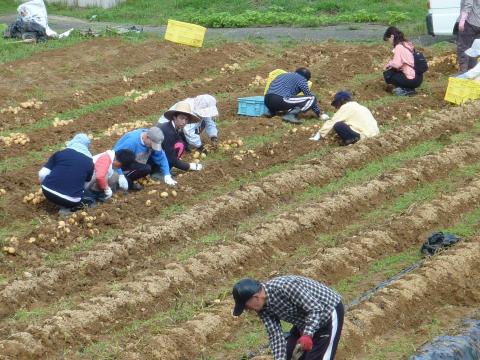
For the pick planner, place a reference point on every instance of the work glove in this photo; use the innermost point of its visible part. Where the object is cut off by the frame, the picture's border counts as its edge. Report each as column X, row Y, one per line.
column 196, row 167
column 43, row 173
column 306, row 342
column 214, row 141
column 202, row 150
column 316, row 137
column 108, row 193
column 324, row 117
column 169, row 180
column 123, row 182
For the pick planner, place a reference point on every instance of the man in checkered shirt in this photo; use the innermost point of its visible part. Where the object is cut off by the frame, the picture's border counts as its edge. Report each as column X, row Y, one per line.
column 315, row 311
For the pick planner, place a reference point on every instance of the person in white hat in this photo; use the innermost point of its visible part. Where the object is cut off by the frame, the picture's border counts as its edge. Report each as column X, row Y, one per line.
column 174, row 143
column 205, row 107
column 473, row 52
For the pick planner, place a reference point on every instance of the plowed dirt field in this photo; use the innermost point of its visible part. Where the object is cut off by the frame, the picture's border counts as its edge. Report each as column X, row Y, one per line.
column 127, row 280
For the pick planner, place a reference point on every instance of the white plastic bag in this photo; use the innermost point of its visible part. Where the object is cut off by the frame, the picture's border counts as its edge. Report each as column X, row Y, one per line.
column 35, row 11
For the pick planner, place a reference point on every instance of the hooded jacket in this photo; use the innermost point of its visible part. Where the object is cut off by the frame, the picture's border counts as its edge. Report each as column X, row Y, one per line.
column 66, row 171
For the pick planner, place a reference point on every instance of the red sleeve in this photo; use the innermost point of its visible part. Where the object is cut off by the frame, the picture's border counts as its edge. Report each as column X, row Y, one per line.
column 101, row 170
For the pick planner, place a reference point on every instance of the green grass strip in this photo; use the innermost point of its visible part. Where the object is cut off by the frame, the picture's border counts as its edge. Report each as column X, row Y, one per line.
column 240, row 13
column 375, row 168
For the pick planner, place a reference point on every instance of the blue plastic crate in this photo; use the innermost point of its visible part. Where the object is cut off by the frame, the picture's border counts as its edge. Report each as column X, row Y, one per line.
column 251, row 106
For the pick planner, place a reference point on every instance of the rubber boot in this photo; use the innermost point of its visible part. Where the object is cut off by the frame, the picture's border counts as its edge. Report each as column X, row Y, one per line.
column 291, row 116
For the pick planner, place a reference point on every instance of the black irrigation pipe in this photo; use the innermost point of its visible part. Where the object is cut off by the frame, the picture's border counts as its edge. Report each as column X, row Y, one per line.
column 370, row 292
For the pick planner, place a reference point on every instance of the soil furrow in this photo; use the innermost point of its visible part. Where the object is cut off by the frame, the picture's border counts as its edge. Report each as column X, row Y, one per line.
column 119, row 252
column 359, row 250
column 450, row 278
column 98, row 313
column 166, row 71
column 330, row 268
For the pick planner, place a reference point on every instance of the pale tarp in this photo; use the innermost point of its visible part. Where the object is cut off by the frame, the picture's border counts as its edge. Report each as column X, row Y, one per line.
column 35, row 11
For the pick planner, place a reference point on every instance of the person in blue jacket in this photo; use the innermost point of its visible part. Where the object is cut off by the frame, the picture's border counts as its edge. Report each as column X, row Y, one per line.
column 146, row 144
column 64, row 175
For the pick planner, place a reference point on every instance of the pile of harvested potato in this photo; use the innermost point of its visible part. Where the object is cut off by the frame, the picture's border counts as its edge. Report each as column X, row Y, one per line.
column 120, row 129
column 57, row 122
column 15, row 138
column 230, row 68
column 31, row 104
column 143, row 96
column 258, row 81
column 34, row 198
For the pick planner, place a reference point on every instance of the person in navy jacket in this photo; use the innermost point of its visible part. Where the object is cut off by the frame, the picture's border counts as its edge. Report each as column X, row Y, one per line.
column 64, row 175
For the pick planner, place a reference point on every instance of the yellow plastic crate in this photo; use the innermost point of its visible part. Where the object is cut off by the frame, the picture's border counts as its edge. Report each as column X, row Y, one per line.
column 273, row 74
column 185, row 33
column 461, row 90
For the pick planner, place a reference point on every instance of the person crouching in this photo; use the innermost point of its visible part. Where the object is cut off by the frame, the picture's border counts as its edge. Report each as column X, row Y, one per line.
column 351, row 122
column 64, row 175
column 105, row 178
column 175, row 143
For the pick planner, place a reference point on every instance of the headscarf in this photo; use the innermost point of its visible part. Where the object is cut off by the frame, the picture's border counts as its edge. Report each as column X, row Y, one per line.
column 80, row 143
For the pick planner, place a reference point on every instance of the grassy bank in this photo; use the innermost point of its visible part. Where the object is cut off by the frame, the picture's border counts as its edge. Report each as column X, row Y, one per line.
column 245, row 13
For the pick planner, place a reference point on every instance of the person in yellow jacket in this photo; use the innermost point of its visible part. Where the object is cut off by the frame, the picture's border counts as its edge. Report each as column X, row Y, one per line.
column 351, row 122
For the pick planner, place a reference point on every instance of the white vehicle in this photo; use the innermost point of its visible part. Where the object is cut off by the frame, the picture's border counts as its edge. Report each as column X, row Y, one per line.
column 442, row 15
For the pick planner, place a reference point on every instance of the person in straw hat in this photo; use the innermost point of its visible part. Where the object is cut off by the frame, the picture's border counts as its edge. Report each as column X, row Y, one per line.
column 205, row 107
column 175, row 143
column 473, row 52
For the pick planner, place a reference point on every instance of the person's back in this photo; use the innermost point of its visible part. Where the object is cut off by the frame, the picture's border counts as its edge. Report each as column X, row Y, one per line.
column 132, row 141
column 282, row 96
column 287, row 85
column 69, row 171
column 360, row 119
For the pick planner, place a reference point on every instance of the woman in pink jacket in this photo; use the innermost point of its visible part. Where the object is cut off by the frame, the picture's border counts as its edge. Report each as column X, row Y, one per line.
column 400, row 71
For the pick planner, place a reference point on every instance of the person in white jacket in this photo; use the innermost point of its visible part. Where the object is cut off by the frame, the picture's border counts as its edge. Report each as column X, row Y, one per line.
column 205, row 107
column 473, row 52
column 351, row 122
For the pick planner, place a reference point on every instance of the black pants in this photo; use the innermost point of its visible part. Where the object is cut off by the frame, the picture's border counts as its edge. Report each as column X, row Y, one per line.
column 325, row 340
column 345, row 132
column 74, row 206
column 464, row 41
column 136, row 171
column 276, row 103
column 398, row 79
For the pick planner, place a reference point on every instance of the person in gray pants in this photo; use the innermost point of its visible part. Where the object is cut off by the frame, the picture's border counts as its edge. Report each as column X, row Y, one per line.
column 468, row 30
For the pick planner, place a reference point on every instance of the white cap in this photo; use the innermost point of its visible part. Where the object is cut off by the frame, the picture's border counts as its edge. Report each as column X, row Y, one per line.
column 205, row 106
column 474, row 51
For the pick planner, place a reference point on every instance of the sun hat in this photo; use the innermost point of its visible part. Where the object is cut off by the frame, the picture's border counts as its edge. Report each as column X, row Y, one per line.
column 474, row 51
column 242, row 292
column 155, row 134
column 182, row 108
column 205, row 106
column 341, row 96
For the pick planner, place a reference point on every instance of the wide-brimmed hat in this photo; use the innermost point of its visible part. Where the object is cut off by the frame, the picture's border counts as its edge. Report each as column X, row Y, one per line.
column 242, row 292
column 182, row 108
column 205, row 106
column 474, row 51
